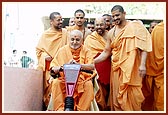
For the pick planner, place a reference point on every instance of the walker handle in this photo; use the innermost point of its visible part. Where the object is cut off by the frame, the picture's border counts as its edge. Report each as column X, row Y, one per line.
column 52, row 73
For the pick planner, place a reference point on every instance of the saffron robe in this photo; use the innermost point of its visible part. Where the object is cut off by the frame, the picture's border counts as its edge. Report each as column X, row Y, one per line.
column 84, row 94
column 49, row 43
column 155, row 67
column 96, row 44
column 126, row 58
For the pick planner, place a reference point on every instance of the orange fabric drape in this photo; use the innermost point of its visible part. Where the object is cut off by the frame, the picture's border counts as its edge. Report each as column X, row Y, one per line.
column 155, row 59
column 96, row 44
column 154, row 80
column 84, row 88
column 127, row 83
column 49, row 44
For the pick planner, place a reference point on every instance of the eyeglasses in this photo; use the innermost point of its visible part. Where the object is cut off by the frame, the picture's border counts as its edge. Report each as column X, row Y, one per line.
column 90, row 27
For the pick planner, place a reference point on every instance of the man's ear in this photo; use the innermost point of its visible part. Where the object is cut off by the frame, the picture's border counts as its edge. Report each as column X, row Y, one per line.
column 51, row 22
column 124, row 13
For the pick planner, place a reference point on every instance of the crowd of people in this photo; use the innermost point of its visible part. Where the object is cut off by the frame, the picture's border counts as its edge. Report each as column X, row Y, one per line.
column 127, row 58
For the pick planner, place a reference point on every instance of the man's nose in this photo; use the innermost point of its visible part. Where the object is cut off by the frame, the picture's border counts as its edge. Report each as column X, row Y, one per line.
column 115, row 17
column 61, row 21
column 75, row 41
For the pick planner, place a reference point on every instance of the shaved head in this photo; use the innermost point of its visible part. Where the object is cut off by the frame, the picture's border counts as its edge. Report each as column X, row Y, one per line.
column 100, row 25
column 99, row 19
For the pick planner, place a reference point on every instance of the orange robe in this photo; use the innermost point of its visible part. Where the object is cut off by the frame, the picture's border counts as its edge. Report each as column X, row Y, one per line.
column 49, row 44
column 83, row 95
column 126, row 58
column 155, row 67
column 85, row 32
column 96, row 44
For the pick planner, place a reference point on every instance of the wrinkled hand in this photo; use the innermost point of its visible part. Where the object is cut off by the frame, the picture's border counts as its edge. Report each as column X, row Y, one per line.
column 72, row 62
column 48, row 58
column 142, row 70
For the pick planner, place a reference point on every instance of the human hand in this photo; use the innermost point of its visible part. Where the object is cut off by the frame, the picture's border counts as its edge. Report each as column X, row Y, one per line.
column 142, row 70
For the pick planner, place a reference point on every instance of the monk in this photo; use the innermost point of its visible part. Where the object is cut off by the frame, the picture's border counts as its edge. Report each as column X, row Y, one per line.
column 51, row 40
column 74, row 53
column 155, row 68
column 79, row 19
column 96, row 43
column 128, row 42
column 71, row 21
column 108, row 20
column 146, row 88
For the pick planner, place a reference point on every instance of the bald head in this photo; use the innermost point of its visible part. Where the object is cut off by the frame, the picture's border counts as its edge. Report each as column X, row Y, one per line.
column 100, row 19
column 77, row 32
column 100, row 25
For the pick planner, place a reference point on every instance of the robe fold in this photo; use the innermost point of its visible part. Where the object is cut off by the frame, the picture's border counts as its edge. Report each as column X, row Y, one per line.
column 154, row 80
column 49, row 43
column 84, row 94
column 96, row 44
column 126, row 58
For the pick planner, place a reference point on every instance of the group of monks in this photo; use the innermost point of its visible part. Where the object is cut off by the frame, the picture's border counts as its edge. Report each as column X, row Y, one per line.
column 127, row 60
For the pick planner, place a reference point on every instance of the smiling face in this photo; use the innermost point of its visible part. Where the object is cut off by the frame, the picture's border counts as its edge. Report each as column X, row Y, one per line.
column 100, row 25
column 76, row 39
column 118, row 17
column 57, row 22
